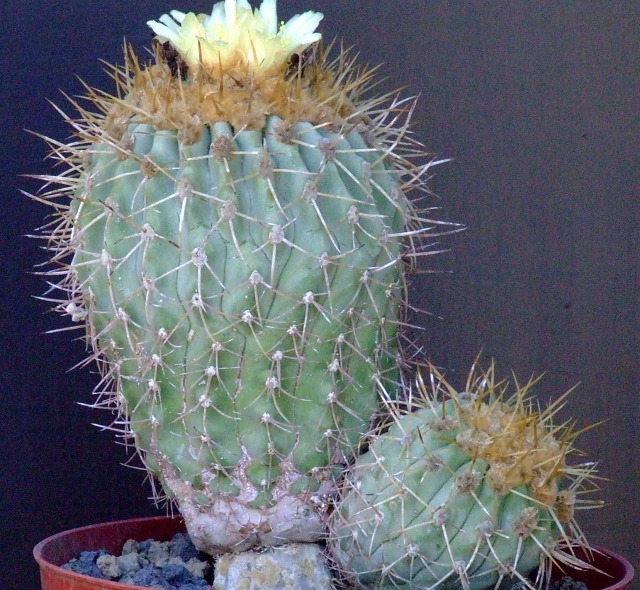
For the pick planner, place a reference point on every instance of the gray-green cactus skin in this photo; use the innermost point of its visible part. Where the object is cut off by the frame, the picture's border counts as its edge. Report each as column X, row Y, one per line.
column 248, row 301
column 242, row 288
column 250, row 298
column 463, row 493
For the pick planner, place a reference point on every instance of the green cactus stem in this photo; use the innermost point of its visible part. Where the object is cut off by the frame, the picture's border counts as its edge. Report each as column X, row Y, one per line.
column 469, row 491
column 232, row 230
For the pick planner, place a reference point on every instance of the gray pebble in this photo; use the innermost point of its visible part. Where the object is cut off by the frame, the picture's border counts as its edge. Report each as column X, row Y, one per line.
column 129, row 564
column 108, row 565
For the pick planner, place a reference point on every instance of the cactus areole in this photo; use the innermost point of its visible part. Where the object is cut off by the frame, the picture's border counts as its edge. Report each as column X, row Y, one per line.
column 231, row 230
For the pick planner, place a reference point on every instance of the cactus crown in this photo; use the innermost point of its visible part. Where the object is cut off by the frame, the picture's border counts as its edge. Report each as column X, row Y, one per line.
column 520, row 443
column 236, row 66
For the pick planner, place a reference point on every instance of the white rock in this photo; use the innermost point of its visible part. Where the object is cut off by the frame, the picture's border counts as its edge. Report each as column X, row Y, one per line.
column 299, row 566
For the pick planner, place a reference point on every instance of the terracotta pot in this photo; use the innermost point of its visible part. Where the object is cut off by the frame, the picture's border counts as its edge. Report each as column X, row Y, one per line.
column 61, row 548
column 58, row 549
column 615, row 572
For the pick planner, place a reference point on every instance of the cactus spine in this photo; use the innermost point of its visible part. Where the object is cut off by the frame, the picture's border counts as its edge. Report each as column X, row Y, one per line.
column 470, row 490
column 231, row 230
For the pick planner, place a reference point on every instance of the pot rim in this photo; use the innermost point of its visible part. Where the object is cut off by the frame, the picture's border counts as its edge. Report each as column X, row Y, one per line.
column 624, row 566
column 46, row 565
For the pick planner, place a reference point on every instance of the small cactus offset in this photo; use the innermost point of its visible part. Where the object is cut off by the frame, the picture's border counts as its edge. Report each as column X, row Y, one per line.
column 469, row 491
column 231, row 230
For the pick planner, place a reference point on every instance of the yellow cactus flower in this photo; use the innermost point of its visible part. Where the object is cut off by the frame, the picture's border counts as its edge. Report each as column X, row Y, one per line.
column 235, row 32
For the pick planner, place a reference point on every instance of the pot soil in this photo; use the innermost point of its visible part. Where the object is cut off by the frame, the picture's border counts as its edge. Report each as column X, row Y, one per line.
column 61, row 548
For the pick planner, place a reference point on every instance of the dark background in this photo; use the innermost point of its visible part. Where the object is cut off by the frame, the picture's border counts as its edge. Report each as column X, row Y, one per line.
column 538, row 102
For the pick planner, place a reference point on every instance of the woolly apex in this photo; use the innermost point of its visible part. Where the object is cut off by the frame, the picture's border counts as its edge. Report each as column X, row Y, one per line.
column 238, row 65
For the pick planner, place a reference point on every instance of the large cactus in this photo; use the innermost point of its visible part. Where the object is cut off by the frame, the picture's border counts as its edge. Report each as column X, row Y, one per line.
column 231, row 229
column 469, row 491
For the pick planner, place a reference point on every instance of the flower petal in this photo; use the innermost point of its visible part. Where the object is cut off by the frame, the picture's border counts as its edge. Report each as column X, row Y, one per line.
column 163, row 31
column 269, row 12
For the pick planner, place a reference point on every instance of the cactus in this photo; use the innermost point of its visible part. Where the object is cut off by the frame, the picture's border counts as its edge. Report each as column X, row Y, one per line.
column 470, row 490
column 231, row 231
